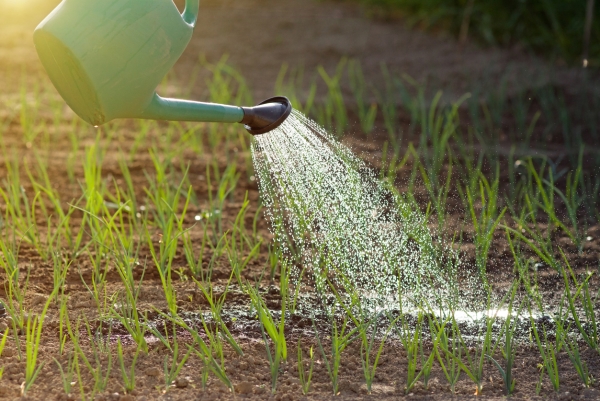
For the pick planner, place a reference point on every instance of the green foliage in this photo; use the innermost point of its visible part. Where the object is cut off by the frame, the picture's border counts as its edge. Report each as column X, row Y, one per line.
column 115, row 222
column 508, row 351
column 552, row 27
column 33, row 337
column 67, row 375
column 274, row 330
column 128, row 374
column 341, row 336
column 171, row 371
column 304, row 376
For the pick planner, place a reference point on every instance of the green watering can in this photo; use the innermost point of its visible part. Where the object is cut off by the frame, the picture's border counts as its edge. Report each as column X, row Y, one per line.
column 106, row 58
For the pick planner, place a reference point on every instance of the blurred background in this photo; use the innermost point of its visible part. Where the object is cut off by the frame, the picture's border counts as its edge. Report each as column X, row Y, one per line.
column 514, row 68
column 450, row 44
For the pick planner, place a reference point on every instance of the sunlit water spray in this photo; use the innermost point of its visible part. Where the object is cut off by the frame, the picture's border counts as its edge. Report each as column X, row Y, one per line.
column 329, row 211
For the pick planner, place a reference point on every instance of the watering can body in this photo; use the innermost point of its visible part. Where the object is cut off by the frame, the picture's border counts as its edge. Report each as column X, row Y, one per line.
column 106, row 58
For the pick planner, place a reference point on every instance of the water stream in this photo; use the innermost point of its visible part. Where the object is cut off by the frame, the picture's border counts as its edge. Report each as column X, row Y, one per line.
column 331, row 215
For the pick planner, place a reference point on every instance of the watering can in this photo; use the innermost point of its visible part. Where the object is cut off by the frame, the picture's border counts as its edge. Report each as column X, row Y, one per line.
column 106, row 58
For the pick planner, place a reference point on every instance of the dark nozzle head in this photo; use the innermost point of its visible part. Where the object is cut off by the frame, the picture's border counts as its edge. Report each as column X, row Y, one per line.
column 267, row 115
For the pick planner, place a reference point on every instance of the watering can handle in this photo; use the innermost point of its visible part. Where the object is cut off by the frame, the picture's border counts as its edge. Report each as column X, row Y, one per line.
column 190, row 13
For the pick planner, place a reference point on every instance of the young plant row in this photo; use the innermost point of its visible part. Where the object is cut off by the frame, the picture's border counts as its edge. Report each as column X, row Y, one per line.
column 132, row 223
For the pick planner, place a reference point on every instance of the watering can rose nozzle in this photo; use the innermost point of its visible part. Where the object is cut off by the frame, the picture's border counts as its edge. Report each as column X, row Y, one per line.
column 267, row 115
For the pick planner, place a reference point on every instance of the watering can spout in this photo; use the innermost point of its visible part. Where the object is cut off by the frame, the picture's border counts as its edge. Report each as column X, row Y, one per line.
column 262, row 118
column 106, row 59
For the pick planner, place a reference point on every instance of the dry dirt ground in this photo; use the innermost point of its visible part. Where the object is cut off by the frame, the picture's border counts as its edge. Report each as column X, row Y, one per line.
column 260, row 35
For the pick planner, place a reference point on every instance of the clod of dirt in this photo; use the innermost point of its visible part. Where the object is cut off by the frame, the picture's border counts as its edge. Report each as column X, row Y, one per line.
column 66, row 397
column 38, row 299
column 566, row 396
column 590, row 394
column 358, row 388
column 182, row 382
column 244, row 388
column 127, row 397
column 154, row 372
column 8, row 352
column 5, row 391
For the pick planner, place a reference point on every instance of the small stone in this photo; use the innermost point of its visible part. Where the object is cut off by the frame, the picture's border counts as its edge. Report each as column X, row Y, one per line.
column 182, row 382
column 127, row 397
column 154, row 372
column 244, row 388
column 3, row 327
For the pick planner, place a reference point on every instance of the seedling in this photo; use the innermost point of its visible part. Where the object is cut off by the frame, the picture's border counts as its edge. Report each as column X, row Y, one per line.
column 579, row 364
column 204, row 353
column 488, row 220
column 341, row 337
column 275, row 331
column 304, row 376
column 172, row 371
column 2, row 345
column 68, row 375
column 128, row 375
column 33, row 337
column 591, row 336
column 369, row 364
column 548, row 351
column 508, row 352
column 452, row 352
column 366, row 113
column 333, row 114
column 215, row 309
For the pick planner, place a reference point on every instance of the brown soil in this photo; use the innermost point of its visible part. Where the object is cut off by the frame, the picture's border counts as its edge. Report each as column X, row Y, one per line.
column 299, row 33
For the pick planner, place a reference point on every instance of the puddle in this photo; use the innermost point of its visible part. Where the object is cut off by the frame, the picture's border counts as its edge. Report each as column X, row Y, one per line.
column 310, row 316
